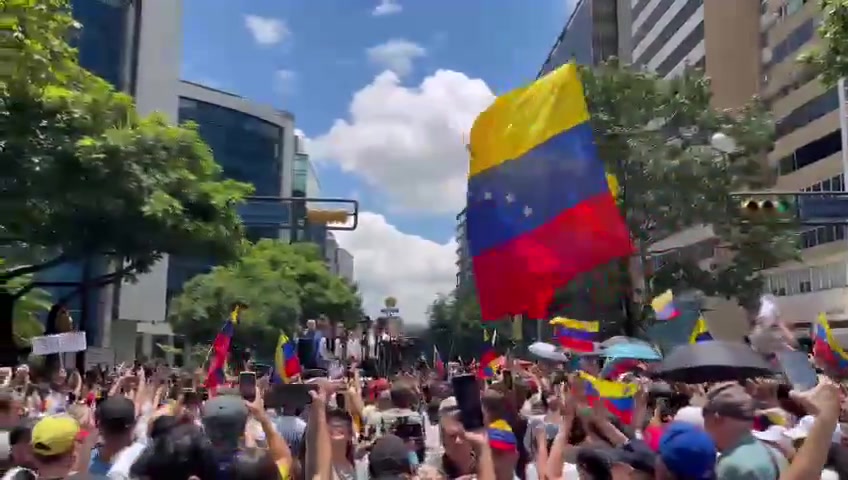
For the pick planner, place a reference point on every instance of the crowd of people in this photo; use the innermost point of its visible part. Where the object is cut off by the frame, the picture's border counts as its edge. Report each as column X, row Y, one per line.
column 151, row 422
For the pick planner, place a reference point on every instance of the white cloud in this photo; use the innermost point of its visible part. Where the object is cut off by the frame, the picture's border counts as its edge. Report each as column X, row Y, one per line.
column 396, row 55
column 389, row 262
column 409, row 141
column 266, row 31
column 387, row 7
column 285, row 81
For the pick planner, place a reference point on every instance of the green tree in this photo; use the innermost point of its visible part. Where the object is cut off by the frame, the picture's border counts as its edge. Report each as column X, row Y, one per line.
column 28, row 309
column 282, row 285
column 830, row 57
column 656, row 137
column 84, row 175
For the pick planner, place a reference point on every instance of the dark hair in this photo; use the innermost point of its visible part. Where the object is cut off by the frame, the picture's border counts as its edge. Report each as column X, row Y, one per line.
column 162, row 425
column 182, row 452
column 254, row 464
column 595, row 463
column 401, row 396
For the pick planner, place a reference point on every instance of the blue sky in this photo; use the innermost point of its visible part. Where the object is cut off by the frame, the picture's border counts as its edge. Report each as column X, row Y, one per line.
column 419, row 71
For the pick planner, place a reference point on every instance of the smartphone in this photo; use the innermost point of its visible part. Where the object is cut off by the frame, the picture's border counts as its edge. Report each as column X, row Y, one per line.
column 247, row 385
column 340, row 401
column 798, row 370
column 289, row 395
column 507, row 379
column 467, row 393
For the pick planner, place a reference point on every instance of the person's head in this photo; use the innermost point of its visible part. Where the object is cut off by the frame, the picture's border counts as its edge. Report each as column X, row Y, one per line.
column 494, row 406
column 504, row 446
column 183, row 452
column 728, row 414
column 254, row 464
column 685, row 452
column 402, row 396
column 341, row 427
column 389, row 458
column 310, row 325
column 160, row 426
column 384, row 400
column 224, row 418
column 634, row 460
column 594, row 463
column 453, row 434
column 115, row 419
column 53, row 441
column 20, row 443
column 11, row 407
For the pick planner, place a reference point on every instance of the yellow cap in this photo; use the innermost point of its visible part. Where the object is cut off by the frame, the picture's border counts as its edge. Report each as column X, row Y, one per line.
column 54, row 435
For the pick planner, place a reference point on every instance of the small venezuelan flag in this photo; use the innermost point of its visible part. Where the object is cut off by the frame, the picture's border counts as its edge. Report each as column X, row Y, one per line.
column 501, row 436
column 286, row 363
column 825, row 346
column 618, row 398
column 575, row 335
column 540, row 211
column 700, row 333
column 664, row 307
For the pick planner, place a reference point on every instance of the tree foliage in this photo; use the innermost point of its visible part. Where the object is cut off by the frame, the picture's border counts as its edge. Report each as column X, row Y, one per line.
column 27, row 309
column 656, row 136
column 83, row 174
column 282, row 284
column 830, row 57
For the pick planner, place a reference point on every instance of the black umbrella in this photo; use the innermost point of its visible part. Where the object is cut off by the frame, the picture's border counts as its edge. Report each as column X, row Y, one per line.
column 713, row 361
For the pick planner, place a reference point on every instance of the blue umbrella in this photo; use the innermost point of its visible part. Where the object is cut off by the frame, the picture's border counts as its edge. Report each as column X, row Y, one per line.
column 636, row 351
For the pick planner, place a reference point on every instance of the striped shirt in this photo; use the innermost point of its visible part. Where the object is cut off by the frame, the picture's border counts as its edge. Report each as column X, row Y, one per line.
column 292, row 429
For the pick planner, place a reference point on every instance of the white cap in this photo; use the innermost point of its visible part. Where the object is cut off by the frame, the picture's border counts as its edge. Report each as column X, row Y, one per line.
column 805, row 425
column 775, row 434
column 691, row 415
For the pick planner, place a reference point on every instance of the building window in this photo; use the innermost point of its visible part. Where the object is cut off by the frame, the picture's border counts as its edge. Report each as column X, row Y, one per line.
column 795, row 40
column 808, row 112
column 826, row 233
column 103, row 42
column 807, row 279
column 811, row 153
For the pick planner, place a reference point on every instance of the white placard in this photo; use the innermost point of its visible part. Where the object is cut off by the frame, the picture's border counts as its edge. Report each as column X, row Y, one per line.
column 59, row 343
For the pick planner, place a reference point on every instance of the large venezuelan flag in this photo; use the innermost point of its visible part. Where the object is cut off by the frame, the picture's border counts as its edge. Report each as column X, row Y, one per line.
column 618, row 398
column 540, row 210
column 575, row 335
column 286, row 363
column 825, row 346
column 701, row 333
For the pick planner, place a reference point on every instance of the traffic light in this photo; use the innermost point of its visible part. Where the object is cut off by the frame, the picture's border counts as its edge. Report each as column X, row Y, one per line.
column 767, row 207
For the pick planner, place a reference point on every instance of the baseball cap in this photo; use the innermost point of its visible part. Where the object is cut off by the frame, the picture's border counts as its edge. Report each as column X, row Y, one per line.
column 389, row 458
column 730, row 400
column 54, row 435
column 688, row 451
column 691, row 415
column 805, row 425
column 224, row 419
column 637, row 455
column 115, row 414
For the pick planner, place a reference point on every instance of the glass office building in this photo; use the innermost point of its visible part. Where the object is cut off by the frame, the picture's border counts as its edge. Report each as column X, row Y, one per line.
column 106, row 42
column 590, row 36
column 249, row 149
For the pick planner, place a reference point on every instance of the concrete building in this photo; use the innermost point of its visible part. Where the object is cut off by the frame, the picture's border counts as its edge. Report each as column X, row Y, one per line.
column 668, row 35
column 595, row 31
column 464, row 273
column 344, row 265
column 136, row 46
column 809, row 155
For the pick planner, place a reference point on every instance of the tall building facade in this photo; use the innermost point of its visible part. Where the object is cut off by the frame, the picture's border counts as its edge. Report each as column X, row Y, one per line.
column 668, row 35
column 595, row 31
column 135, row 45
column 253, row 144
column 809, row 155
column 344, row 265
column 464, row 273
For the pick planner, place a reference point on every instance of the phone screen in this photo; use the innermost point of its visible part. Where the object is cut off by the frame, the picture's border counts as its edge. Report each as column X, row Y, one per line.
column 467, row 393
column 798, row 370
column 289, row 395
column 340, row 401
column 507, row 379
column 247, row 385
